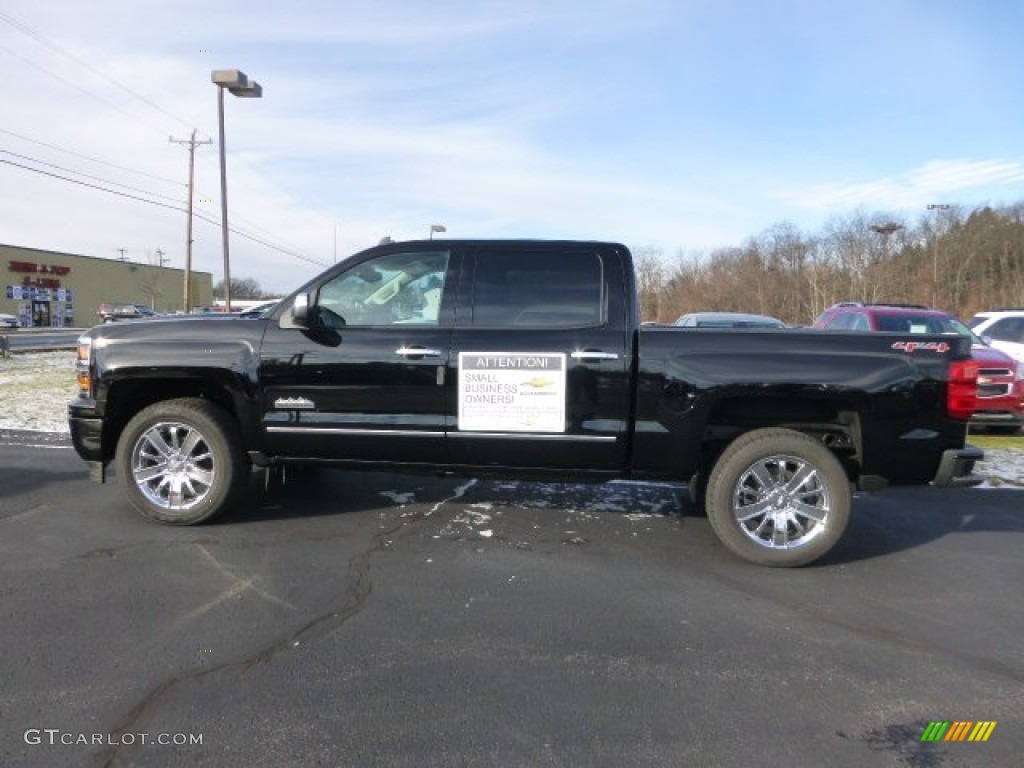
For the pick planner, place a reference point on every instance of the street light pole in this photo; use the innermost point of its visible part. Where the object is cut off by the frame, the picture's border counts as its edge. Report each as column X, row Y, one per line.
column 935, row 253
column 886, row 230
column 235, row 81
column 224, row 200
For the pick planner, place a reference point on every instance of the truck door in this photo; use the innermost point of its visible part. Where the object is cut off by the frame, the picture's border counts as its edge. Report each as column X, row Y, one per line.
column 541, row 355
column 365, row 379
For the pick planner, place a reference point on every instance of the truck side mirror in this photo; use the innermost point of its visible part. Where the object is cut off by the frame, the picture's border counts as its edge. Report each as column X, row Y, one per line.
column 300, row 311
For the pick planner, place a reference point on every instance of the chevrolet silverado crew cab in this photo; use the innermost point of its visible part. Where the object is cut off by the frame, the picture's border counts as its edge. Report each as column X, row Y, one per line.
column 523, row 357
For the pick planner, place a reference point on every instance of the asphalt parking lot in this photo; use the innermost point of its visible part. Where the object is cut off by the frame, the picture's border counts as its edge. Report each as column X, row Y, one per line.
column 378, row 619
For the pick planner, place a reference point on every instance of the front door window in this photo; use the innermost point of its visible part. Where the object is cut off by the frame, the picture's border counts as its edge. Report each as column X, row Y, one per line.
column 395, row 289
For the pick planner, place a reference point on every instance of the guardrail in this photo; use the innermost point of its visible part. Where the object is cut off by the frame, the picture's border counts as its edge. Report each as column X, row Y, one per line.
column 19, row 341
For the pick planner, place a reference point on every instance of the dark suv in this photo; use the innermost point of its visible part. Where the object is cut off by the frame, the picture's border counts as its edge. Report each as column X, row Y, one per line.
column 1000, row 384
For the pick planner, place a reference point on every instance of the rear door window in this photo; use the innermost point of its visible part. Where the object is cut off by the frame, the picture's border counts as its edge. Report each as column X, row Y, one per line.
column 538, row 289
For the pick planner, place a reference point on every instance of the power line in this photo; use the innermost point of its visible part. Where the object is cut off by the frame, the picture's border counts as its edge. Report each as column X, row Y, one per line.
column 240, row 233
column 86, row 184
column 250, row 224
column 87, row 175
column 43, row 40
column 76, row 86
column 175, row 182
column 255, row 239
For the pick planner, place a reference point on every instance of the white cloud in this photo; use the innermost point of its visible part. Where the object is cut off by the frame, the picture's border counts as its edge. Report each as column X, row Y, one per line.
column 935, row 180
column 643, row 121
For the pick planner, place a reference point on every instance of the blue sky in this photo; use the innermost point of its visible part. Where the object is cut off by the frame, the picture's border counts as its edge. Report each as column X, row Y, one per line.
column 683, row 125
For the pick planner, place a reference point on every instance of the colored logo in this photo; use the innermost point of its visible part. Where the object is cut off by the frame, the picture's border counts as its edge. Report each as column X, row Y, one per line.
column 958, row 730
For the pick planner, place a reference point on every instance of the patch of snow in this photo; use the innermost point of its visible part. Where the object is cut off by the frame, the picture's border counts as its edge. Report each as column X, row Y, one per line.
column 1003, row 468
column 399, row 498
column 459, row 493
column 36, row 389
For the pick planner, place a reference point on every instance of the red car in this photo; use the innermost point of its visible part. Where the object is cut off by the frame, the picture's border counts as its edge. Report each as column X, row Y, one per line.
column 1000, row 378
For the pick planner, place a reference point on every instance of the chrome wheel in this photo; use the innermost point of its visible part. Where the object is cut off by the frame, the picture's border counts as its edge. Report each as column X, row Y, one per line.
column 173, row 466
column 781, row 502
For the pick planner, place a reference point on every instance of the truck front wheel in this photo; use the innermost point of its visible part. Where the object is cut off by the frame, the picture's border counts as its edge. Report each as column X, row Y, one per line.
column 181, row 461
column 778, row 497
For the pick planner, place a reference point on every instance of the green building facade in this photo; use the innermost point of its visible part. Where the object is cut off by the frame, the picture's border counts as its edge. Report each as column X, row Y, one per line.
column 63, row 290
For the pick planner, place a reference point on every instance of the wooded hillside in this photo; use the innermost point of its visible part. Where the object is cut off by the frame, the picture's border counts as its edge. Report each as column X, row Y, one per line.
column 963, row 261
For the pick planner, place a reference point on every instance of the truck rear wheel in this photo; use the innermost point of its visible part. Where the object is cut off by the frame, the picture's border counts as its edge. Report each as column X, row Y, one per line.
column 778, row 497
column 181, row 461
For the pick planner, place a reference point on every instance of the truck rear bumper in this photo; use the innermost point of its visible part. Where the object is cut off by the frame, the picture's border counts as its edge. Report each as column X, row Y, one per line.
column 957, row 467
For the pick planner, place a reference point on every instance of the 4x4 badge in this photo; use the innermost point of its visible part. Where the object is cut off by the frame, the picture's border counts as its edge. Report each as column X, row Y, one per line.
column 910, row 346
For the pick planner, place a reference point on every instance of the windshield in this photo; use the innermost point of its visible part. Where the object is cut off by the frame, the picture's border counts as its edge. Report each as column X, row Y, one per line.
column 935, row 325
column 737, row 324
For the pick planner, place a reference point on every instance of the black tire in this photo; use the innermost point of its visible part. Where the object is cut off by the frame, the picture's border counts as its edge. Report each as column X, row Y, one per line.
column 778, row 497
column 181, row 461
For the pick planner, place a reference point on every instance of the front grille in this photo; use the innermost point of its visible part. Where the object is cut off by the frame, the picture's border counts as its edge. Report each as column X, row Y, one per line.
column 993, row 390
column 994, row 372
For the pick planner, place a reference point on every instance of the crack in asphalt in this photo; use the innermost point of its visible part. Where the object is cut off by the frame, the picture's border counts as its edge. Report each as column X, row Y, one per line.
column 359, row 589
column 25, row 512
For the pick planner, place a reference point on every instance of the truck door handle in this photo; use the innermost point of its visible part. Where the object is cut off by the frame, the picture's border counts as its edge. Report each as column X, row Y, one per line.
column 593, row 354
column 417, row 352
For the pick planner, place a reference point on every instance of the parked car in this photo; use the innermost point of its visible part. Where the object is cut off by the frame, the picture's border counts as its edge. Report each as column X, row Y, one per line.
column 1003, row 329
column 9, row 321
column 727, row 320
column 1000, row 384
column 258, row 310
column 110, row 312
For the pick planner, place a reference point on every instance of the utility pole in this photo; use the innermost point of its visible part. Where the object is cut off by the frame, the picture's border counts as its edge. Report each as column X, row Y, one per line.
column 160, row 260
column 122, row 251
column 192, row 144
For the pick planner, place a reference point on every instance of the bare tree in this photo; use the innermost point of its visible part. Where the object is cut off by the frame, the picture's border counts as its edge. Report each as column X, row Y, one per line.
column 651, row 279
column 149, row 283
column 241, row 288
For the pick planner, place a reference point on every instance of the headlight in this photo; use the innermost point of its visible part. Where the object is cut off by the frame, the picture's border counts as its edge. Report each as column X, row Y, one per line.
column 83, row 365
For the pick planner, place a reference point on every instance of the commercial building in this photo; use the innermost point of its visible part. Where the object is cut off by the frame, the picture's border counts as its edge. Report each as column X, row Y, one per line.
column 63, row 290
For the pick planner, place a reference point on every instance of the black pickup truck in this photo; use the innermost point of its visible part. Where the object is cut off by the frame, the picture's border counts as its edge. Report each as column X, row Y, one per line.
column 523, row 357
